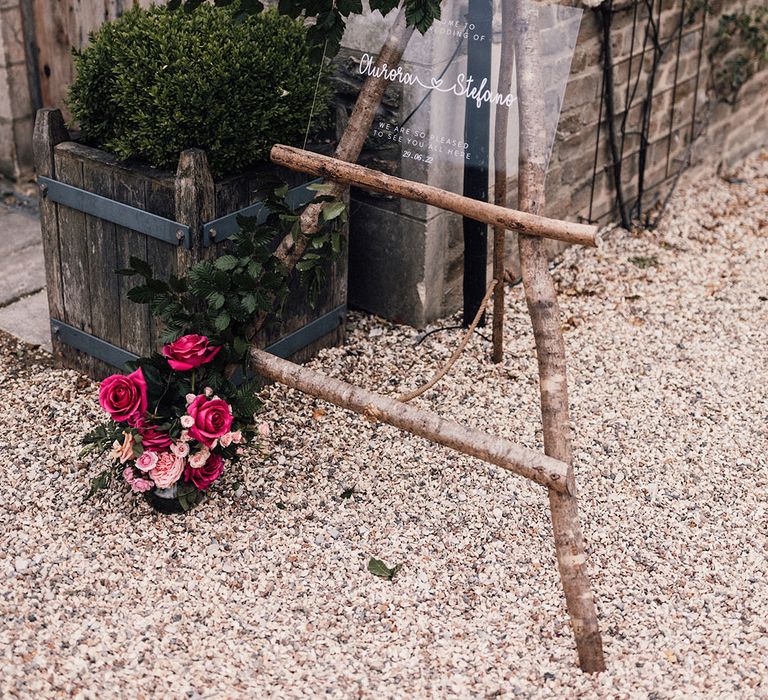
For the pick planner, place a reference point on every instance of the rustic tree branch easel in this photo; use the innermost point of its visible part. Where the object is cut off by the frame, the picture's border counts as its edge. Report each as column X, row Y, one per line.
column 556, row 474
column 554, row 469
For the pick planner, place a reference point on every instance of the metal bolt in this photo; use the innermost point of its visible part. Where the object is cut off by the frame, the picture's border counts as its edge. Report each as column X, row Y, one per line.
column 43, row 190
column 212, row 233
column 179, row 235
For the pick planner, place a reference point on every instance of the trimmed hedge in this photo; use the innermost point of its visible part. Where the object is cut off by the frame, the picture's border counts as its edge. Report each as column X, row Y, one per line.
column 155, row 82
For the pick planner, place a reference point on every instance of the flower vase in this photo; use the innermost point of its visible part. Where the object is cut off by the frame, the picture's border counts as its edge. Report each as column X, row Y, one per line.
column 165, row 501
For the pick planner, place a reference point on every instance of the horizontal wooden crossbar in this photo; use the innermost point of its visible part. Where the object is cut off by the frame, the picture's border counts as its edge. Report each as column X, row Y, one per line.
column 523, row 461
column 492, row 214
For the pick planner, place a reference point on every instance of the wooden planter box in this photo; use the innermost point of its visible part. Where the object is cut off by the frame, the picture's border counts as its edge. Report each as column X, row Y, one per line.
column 172, row 220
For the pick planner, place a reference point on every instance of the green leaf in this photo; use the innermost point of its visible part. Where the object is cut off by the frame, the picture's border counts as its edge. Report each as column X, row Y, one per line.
column 140, row 266
column 380, row 569
column 333, row 209
column 348, row 492
column 226, row 262
column 99, row 483
column 216, row 300
column 221, row 322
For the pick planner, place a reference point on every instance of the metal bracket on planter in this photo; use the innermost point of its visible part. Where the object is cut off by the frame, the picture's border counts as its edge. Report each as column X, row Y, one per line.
column 222, row 228
column 90, row 344
column 118, row 213
column 117, row 357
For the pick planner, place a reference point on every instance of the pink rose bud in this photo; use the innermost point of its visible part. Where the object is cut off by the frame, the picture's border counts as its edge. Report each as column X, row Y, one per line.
column 128, row 475
column 240, row 451
column 237, row 437
column 187, row 421
column 147, row 461
column 225, row 440
column 190, row 398
column 184, row 437
column 264, row 430
column 208, row 391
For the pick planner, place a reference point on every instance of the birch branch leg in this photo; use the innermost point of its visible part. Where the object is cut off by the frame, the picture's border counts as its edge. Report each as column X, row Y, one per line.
column 544, row 310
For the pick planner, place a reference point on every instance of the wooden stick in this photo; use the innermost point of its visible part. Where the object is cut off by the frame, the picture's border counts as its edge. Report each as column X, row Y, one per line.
column 501, row 127
column 550, row 346
column 532, row 465
column 351, row 174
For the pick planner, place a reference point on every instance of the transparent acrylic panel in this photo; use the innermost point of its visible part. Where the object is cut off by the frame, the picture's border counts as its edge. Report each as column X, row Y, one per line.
column 438, row 114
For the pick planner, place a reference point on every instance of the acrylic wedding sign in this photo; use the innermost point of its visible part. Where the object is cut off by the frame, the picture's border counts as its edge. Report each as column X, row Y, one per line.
column 439, row 111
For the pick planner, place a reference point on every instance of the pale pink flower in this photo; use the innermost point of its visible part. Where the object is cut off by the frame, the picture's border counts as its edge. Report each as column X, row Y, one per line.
column 237, row 437
column 208, row 391
column 190, row 398
column 184, row 437
column 198, row 460
column 123, row 452
column 225, row 440
column 180, row 449
column 240, row 451
column 128, row 475
column 168, row 470
column 187, row 421
column 141, row 485
column 264, row 430
column 147, row 461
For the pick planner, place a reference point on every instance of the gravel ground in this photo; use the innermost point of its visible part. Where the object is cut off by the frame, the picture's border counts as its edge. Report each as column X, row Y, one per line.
column 263, row 590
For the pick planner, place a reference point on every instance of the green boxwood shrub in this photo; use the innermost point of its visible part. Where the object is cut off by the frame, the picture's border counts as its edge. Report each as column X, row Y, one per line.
column 155, row 82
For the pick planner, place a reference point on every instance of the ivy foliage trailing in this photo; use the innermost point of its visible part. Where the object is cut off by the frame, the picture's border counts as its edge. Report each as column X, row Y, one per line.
column 155, row 82
column 740, row 50
column 220, row 298
column 329, row 16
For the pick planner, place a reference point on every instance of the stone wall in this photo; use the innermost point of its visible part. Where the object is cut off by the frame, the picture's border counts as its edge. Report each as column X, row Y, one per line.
column 16, row 110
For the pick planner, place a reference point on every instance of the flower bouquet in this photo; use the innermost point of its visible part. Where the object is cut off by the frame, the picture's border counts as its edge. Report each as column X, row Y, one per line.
column 175, row 422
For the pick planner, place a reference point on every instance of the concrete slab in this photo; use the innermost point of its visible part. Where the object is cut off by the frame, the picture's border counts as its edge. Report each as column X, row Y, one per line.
column 28, row 319
column 22, row 272
column 18, row 229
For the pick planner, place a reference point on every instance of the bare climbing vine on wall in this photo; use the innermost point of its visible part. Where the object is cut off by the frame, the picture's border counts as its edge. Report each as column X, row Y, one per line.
column 739, row 49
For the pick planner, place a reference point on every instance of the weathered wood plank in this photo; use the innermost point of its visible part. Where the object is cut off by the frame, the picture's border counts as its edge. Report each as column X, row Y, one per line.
column 103, row 261
column 130, row 188
column 49, row 132
column 195, row 197
column 75, row 268
column 160, row 255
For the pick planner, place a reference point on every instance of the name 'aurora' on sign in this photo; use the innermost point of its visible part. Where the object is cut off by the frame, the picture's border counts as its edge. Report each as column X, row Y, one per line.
column 462, row 87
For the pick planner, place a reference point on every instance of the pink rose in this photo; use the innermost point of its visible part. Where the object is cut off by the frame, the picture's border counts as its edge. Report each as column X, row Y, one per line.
column 187, row 421
column 207, row 474
column 137, row 485
column 237, row 436
column 153, row 439
column 180, row 449
column 225, row 440
column 167, row 471
column 147, row 461
column 198, row 460
column 189, row 351
column 213, row 418
column 124, row 397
